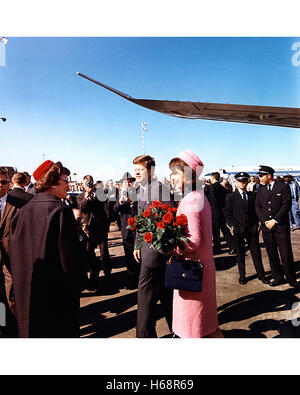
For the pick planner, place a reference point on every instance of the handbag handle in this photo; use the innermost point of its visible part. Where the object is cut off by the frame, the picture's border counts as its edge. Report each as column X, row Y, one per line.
column 187, row 260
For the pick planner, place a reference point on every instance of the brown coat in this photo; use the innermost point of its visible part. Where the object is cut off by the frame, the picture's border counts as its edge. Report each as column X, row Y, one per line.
column 6, row 284
column 8, row 213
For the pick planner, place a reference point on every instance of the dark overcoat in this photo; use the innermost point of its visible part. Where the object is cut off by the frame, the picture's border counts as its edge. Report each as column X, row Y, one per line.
column 95, row 217
column 46, row 265
column 20, row 197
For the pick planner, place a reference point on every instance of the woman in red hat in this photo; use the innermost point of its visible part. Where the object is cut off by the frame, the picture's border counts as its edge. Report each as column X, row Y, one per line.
column 195, row 313
column 46, row 259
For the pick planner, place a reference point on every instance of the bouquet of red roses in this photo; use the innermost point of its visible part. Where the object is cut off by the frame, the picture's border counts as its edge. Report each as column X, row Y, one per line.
column 159, row 227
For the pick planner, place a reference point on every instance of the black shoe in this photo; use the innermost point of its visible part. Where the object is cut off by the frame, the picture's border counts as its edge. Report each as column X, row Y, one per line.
column 275, row 283
column 294, row 284
column 232, row 252
column 264, row 280
column 243, row 281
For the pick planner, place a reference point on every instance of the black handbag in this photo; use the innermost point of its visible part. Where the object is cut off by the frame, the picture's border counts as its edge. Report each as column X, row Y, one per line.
column 184, row 275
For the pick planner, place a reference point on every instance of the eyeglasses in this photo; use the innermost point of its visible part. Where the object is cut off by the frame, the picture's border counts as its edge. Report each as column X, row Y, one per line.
column 4, row 182
column 64, row 179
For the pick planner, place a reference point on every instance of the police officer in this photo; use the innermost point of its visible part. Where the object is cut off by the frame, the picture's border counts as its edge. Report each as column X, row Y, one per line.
column 240, row 214
column 273, row 203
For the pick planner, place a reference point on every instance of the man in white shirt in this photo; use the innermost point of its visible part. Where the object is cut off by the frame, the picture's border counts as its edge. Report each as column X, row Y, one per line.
column 240, row 214
column 273, row 203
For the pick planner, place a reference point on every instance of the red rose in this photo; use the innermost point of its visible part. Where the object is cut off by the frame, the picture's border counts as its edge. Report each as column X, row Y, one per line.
column 149, row 208
column 147, row 213
column 167, row 218
column 131, row 221
column 156, row 203
column 165, row 206
column 181, row 220
column 161, row 225
column 148, row 237
column 174, row 209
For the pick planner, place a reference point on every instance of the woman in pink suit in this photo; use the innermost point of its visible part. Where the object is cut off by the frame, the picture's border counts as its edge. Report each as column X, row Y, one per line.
column 195, row 313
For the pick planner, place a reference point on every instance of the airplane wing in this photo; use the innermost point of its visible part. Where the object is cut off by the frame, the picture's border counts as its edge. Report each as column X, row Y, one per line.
column 261, row 115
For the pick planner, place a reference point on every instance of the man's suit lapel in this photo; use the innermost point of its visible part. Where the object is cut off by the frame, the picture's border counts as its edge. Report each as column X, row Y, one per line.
column 8, row 207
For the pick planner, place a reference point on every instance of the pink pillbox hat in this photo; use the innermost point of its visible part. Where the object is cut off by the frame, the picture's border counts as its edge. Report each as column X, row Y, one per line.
column 192, row 160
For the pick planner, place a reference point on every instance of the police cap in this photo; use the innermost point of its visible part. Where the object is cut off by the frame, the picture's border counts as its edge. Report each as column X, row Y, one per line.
column 241, row 176
column 262, row 170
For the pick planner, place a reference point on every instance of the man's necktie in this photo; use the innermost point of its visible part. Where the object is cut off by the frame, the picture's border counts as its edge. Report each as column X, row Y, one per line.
column 0, row 207
column 244, row 196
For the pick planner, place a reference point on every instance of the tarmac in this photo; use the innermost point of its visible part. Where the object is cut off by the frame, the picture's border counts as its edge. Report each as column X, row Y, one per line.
column 253, row 310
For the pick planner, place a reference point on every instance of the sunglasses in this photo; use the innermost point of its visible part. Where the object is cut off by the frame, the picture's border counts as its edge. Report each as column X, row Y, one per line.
column 3, row 182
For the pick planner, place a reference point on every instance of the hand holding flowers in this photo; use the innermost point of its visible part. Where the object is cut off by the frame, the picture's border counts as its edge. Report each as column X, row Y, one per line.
column 159, row 227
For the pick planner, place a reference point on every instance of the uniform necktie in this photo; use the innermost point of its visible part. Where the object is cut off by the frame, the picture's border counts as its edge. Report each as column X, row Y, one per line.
column 269, row 187
column 0, row 207
column 244, row 196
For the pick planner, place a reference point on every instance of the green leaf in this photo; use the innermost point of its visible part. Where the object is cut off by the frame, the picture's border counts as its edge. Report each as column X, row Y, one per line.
column 138, row 245
column 158, row 246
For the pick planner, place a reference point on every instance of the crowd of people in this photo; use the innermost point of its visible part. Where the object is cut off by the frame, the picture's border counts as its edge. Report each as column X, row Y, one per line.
column 49, row 236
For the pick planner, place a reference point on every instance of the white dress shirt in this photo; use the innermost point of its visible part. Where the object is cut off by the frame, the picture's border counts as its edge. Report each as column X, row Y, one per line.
column 2, row 204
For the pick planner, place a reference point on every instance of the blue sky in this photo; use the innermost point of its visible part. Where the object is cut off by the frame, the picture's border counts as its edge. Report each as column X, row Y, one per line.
column 54, row 114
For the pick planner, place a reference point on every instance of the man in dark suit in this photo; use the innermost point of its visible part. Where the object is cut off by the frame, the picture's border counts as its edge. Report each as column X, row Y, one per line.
column 96, row 224
column 29, row 187
column 9, row 205
column 240, row 215
column 217, row 195
column 126, row 207
column 18, row 192
column 273, row 203
column 151, row 287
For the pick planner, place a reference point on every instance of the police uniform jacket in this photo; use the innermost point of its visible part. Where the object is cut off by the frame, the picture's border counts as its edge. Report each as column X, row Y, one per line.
column 274, row 204
column 241, row 214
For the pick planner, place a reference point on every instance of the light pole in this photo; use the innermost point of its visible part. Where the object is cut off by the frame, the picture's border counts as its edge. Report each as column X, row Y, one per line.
column 144, row 129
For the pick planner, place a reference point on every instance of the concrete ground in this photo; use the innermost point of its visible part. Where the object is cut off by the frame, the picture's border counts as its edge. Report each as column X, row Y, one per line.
column 254, row 310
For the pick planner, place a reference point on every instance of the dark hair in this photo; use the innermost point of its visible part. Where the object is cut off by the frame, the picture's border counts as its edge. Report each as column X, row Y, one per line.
column 51, row 178
column 146, row 160
column 190, row 177
column 4, row 173
column 216, row 175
